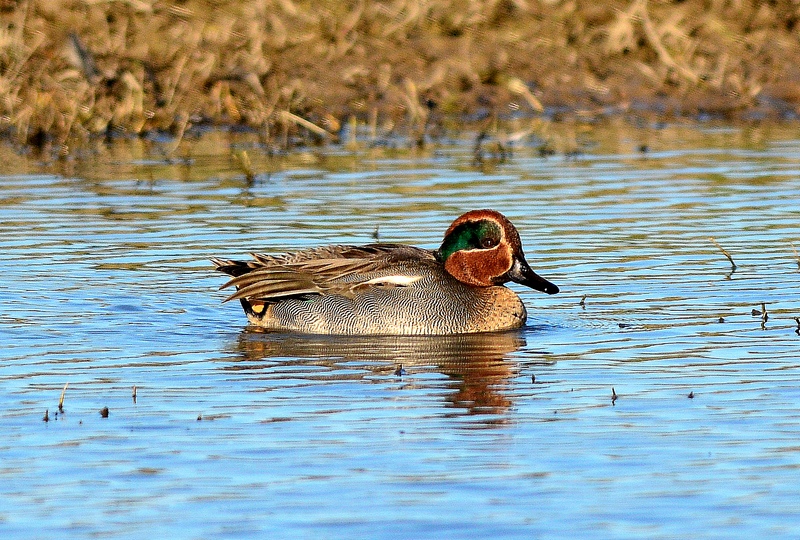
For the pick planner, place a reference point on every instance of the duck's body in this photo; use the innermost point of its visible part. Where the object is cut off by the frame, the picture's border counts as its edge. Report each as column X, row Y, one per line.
column 392, row 288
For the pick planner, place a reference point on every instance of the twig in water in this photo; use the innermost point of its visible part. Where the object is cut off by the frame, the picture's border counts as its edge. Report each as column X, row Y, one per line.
column 46, row 417
column 133, row 395
column 477, row 150
column 764, row 316
column 582, row 303
column 613, row 395
column 722, row 249
column 245, row 165
column 183, row 123
column 61, row 400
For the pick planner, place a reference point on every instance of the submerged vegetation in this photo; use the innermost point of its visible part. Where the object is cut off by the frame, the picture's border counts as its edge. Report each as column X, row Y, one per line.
column 71, row 70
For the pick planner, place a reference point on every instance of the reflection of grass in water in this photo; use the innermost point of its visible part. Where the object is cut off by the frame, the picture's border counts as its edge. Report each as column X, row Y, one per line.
column 71, row 69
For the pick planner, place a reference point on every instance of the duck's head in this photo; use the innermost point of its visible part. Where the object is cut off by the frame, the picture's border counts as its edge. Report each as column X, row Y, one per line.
column 482, row 248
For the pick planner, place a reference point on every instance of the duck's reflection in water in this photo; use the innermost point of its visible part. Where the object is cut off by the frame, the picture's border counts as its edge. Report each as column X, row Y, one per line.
column 477, row 365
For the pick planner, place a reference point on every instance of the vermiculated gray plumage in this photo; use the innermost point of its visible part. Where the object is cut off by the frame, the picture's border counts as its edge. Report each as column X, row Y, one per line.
column 372, row 289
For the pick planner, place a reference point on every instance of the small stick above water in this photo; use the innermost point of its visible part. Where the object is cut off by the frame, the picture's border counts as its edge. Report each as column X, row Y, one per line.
column 61, row 400
column 245, row 165
column 722, row 249
column 764, row 316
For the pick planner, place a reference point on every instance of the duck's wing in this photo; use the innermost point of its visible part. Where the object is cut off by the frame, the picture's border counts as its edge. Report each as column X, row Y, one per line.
column 325, row 270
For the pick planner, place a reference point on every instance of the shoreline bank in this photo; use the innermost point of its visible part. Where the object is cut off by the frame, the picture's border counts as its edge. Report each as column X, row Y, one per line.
column 73, row 71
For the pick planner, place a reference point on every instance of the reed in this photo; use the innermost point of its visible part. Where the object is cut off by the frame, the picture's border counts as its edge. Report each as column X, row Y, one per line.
column 61, row 399
column 724, row 252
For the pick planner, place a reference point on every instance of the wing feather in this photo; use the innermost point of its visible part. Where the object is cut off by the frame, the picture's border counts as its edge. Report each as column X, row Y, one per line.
column 324, row 270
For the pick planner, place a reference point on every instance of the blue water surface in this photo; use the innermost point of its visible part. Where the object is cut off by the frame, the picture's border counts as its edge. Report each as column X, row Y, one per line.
column 647, row 400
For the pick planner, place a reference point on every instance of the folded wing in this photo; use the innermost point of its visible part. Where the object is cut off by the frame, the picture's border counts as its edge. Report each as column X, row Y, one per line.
column 326, row 270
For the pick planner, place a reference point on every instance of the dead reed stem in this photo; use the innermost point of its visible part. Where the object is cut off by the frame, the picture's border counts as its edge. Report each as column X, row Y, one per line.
column 61, row 399
column 724, row 252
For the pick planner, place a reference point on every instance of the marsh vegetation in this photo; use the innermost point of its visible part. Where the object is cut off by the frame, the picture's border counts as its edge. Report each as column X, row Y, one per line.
column 74, row 70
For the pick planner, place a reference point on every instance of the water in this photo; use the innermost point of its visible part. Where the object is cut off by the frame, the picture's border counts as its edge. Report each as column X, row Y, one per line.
column 237, row 433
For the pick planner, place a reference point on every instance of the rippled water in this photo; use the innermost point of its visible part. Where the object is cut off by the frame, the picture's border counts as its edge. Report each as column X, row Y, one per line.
column 237, row 433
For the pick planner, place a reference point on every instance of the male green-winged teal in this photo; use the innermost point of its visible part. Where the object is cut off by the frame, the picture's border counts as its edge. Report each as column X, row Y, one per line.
column 392, row 288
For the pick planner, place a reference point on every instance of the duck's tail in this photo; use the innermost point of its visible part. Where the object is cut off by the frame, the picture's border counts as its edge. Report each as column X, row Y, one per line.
column 232, row 268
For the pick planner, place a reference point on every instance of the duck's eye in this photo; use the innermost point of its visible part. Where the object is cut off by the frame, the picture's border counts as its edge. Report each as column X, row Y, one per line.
column 488, row 242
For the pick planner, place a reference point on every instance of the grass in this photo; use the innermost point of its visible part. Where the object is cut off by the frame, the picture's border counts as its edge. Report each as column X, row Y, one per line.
column 74, row 70
column 724, row 252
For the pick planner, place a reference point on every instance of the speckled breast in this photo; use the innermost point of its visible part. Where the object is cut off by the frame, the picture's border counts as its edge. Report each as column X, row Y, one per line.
column 436, row 304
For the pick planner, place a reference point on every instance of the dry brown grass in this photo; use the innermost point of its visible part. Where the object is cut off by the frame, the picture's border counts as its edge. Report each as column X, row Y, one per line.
column 72, row 69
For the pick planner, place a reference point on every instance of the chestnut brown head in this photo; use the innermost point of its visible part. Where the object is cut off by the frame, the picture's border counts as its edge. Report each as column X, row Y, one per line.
column 482, row 248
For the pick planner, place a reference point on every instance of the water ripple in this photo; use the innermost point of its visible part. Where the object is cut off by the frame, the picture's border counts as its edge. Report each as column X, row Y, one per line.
column 652, row 381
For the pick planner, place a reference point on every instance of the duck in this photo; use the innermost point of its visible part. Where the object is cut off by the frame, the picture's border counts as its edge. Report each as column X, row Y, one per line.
column 392, row 289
